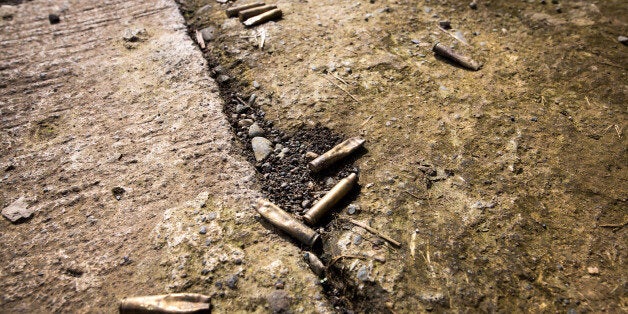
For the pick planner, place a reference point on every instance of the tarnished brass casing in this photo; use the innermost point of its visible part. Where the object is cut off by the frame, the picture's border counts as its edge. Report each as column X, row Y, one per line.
column 248, row 13
column 464, row 61
column 167, row 303
column 339, row 151
column 263, row 18
column 330, row 199
column 233, row 11
column 287, row 223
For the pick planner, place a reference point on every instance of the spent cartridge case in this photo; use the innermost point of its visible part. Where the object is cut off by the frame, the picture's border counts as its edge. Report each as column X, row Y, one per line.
column 245, row 14
column 233, row 11
column 322, row 207
column 335, row 154
column 263, row 18
column 286, row 222
column 448, row 53
column 167, row 303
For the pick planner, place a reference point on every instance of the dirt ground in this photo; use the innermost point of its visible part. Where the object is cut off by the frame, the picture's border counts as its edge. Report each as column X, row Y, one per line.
column 506, row 187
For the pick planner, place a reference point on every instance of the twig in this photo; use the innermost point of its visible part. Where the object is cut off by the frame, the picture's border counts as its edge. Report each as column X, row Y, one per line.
column 366, row 121
column 414, row 195
column 344, row 90
column 611, row 64
column 375, row 232
column 614, row 225
column 337, row 258
column 241, row 101
column 340, row 79
column 456, row 38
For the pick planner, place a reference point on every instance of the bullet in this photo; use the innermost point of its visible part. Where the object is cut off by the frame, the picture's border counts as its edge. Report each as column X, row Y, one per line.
column 167, row 303
column 333, row 155
column 233, row 11
column 448, row 53
column 263, row 18
column 315, row 264
column 287, row 223
column 245, row 14
column 330, row 199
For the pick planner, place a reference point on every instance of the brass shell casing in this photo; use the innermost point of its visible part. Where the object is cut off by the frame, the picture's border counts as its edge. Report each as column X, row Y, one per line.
column 245, row 14
column 464, row 61
column 286, row 222
column 233, row 11
column 330, row 199
column 339, row 151
column 167, row 303
column 263, row 18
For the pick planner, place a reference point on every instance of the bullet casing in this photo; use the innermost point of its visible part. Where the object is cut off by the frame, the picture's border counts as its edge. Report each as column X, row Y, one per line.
column 333, row 155
column 167, row 303
column 233, row 11
column 263, row 18
column 245, row 14
column 330, row 199
column 286, row 222
column 448, row 53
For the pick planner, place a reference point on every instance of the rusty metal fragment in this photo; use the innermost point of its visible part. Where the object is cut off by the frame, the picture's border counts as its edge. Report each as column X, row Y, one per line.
column 335, row 154
column 448, row 53
column 263, row 18
column 287, row 223
column 233, row 11
column 320, row 209
column 167, row 303
column 245, row 14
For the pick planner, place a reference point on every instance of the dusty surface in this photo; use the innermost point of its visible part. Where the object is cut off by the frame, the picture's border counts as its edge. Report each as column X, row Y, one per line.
column 506, row 186
column 113, row 132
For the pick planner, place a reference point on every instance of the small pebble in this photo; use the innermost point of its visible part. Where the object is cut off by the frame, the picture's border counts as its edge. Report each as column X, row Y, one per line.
column 473, row 5
column 232, row 282
column 223, row 78
column 203, row 230
column 255, row 130
column 363, row 274
column 53, row 18
column 623, row 40
column 351, row 209
column 311, row 155
column 593, row 270
column 446, row 25
column 256, row 85
column 357, row 240
column 279, row 284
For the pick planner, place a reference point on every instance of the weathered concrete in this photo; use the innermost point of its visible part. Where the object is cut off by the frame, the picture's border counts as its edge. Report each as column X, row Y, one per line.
column 84, row 111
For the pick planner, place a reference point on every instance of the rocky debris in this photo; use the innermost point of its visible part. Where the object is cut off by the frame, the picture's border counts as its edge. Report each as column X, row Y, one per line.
column 54, row 18
column 232, row 282
column 118, row 192
column 134, row 35
column 592, row 270
column 203, row 230
column 279, row 301
column 256, row 85
column 18, row 210
column 623, row 40
column 352, row 209
column 255, row 130
column 262, row 147
column 446, row 25
column 208, row 33
column 473, row 5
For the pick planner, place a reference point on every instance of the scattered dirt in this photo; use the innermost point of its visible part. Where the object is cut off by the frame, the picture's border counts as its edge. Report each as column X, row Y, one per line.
column 497, row 182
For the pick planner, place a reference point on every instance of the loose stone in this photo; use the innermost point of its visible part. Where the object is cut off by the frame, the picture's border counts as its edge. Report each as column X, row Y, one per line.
column 262, row 147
